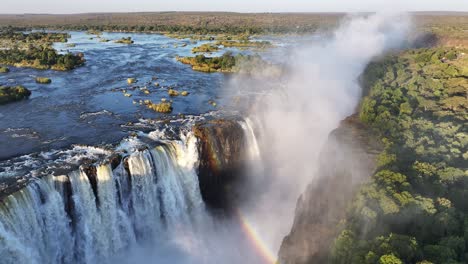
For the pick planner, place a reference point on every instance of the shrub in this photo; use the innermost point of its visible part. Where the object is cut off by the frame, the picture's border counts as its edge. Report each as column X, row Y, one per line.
column 43, row 80
column 10, row 94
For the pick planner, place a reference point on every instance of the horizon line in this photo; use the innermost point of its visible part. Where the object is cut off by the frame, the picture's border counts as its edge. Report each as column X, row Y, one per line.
column 234, row 12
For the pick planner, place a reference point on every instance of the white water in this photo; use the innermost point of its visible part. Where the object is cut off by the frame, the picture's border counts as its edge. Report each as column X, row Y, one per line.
column 158, row 199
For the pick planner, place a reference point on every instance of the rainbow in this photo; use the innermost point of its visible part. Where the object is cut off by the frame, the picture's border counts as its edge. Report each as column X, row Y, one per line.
column 260, row 246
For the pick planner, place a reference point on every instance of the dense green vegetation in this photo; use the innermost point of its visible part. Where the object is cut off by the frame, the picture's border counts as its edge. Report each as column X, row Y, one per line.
column 414, row 210
column 35, row 50
column 207, row 47
column 10, row 94
column 226, row 63
column 41, row 58
column 244, row 44
column 33, row 37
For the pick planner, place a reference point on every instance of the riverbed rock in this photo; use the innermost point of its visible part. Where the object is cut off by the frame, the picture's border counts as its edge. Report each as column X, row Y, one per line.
column 4, row 69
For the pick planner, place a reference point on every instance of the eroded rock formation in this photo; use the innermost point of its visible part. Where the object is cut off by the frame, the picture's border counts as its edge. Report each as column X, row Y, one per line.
column 346, row 162
column 221, row 147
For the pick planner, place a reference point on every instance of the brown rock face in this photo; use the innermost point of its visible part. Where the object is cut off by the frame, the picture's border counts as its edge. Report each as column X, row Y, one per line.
column 346, row 162
column 221, row 145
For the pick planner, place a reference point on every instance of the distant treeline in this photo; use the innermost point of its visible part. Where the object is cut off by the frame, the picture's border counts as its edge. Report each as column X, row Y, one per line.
column 173, row 29
column 33, row 37
column 177, row 22
column 213, row 22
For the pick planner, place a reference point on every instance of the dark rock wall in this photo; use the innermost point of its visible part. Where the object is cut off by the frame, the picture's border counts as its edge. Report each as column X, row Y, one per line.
column 221, row 147
column 346, row 162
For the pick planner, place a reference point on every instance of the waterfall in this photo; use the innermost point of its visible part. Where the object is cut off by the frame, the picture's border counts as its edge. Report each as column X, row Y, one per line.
column 34, row 227
column 93, row 215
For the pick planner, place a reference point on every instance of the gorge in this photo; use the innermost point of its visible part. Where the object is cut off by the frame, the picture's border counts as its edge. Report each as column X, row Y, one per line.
column 303, row 163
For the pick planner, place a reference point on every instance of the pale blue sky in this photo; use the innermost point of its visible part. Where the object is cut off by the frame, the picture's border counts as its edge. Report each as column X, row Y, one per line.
column 80, row 6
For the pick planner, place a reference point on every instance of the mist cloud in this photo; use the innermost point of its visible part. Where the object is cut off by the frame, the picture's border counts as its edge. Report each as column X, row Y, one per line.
column 295, row 119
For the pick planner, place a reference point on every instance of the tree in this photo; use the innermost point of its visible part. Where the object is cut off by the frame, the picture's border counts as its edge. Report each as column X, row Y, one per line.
column 390, row 259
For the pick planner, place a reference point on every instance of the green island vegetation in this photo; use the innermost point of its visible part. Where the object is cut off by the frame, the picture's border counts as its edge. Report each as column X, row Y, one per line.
column 162, row 107
column 125, row 40
column 35, row 50
column 94, row 32
column 414, row 209
column 24, row 39
column 207, row 47
column 244, row 44
column 227, row 63
column 10, row 94
column 4, row 69
column 43, row 80
column 172, row 92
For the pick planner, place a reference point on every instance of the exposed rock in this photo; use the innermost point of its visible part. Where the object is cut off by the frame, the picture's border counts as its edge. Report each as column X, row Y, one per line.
column 10, row 185
column 184, row 93
column 221, row 145
column 131, row 80
column 127, row 40
column 213, row 103
column 91, row 173
column 4, row 69
column 346, row 162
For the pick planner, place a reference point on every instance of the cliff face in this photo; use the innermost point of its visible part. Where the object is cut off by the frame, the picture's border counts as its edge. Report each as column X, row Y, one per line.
column 346, row 162
column 221, row 147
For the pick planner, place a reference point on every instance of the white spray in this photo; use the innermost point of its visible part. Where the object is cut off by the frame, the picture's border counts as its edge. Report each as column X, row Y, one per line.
column 319, row 91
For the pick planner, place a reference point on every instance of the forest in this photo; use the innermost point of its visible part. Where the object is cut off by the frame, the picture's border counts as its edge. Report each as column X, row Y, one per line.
column 414, row 209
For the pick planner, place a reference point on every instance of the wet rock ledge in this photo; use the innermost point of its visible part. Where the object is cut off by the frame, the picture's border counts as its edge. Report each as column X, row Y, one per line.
column 221, row 146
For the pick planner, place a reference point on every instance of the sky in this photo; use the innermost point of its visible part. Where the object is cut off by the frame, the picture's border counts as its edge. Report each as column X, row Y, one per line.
column 85, row 6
